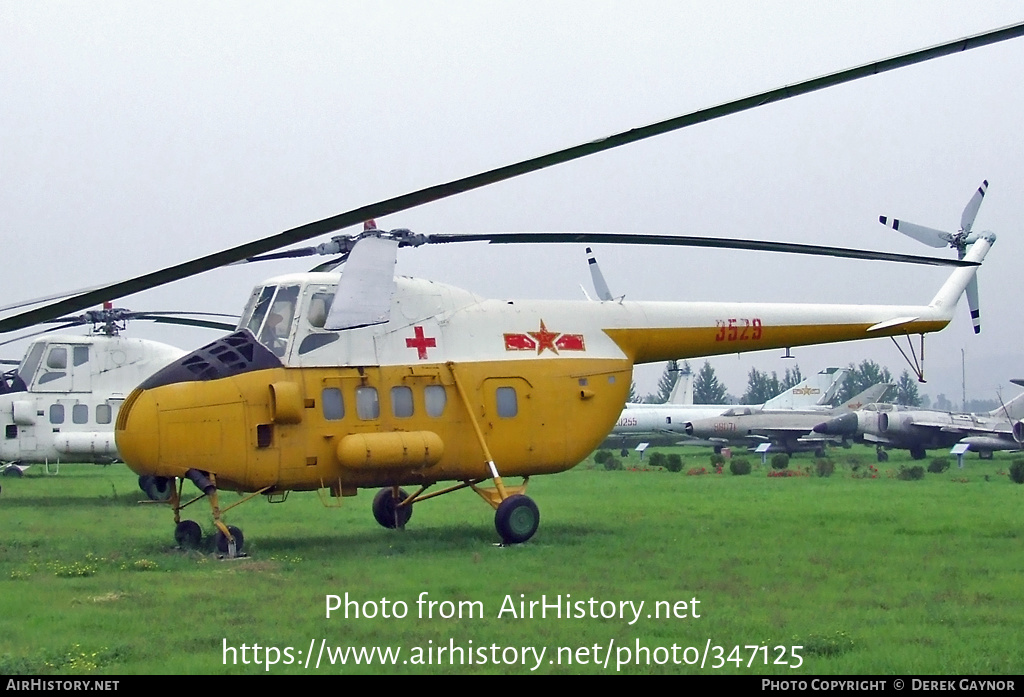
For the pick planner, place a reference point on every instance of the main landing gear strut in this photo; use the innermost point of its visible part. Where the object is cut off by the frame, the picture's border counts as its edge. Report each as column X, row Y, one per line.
column 228, row 540
column 516, row 516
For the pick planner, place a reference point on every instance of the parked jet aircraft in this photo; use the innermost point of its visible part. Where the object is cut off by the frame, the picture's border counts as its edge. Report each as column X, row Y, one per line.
column 788, row 430
column 919, row 430
column 648, row 421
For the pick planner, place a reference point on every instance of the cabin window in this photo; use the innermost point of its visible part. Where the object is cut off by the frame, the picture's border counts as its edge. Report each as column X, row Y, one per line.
column 80, row 355
column 11, row 431
column 332, row 403
column 56, row 413
column 367, row 403
column 436, row 399
column 104, row 414
column 80, row 414
column 508, row 406
column 401, row 401
column 57, row 358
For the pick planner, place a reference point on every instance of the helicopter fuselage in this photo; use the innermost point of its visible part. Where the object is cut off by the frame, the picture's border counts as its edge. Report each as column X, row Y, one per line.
column 448, row 385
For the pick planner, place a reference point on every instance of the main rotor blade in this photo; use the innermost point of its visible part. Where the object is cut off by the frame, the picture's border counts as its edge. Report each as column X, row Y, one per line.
column 41, row 331
column 440, row 191
column 686, row 241
column 185, row 321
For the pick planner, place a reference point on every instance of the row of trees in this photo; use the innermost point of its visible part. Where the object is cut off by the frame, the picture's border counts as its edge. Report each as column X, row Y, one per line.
column 708, row 389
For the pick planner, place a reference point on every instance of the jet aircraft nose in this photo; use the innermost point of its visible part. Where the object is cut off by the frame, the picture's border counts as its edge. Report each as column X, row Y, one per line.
column 844, row 425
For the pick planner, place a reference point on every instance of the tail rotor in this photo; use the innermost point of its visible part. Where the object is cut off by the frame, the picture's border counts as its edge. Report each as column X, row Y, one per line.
column 959, row 241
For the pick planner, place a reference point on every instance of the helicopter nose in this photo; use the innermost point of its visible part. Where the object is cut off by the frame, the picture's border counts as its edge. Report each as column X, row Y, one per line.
column 137, row 432
column 840, row 426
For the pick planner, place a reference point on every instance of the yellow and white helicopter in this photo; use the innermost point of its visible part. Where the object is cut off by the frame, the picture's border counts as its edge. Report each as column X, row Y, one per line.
column 367, row 380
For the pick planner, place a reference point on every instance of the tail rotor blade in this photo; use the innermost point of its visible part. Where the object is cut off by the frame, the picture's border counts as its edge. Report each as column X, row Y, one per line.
column 972, row 304
column 927, row 235
column 595, row 273
column 971, row 210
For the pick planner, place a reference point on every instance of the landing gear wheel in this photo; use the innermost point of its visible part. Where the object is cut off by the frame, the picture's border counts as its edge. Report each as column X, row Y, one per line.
column 918, row 453
column 386, row 510
column 13, row 471
column 882, row 456
column 188, row 534
column 220, row 541
column 156, row 488
column 516, row 519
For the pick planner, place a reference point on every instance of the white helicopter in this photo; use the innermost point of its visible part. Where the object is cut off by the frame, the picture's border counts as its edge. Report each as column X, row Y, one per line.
column 61, row 402
column 367, row 380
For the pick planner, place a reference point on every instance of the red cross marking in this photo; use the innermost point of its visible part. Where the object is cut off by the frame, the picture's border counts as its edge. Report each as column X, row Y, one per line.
column 421, row 343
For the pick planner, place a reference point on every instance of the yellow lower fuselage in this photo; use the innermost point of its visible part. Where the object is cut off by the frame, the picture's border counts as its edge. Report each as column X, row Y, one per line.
column 282, row 427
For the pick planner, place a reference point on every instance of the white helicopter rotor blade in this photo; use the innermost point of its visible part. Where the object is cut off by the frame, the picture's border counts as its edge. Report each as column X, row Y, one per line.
column 971, row 210
column 927, row 235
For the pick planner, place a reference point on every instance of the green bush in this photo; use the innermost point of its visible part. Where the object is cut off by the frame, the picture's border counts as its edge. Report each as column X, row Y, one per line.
column 740, row 465
column 854, row 462
column 613, row 463
column 1017, row 471
column 674, row 462
column 780, row 461
column 717, row 460
column 657, row 459
column 939, row 465
column 910, row 473
column 824, row 467
column 601, row 456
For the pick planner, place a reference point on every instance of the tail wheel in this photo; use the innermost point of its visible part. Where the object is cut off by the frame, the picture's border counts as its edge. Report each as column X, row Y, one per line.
column 386, row 510
column 221, row 540
column 516, row 519
column 188, row 534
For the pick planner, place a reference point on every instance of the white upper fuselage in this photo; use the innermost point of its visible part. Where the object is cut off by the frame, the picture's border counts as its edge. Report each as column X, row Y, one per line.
column 75, row 386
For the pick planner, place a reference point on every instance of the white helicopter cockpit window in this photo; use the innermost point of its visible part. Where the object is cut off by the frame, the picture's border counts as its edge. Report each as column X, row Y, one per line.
column 56, row 365
column 256, row 309
column 276, row 328
column 28, row 366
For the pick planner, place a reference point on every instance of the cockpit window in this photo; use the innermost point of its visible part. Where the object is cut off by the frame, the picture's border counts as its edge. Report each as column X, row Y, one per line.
column 260, row 310
column 277, row 325
column 31, row 362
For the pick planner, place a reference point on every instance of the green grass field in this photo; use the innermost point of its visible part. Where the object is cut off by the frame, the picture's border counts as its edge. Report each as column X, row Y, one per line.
column 868, row 575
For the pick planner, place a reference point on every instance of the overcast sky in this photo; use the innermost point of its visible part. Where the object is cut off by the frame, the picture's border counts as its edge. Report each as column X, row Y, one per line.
column 136, row 135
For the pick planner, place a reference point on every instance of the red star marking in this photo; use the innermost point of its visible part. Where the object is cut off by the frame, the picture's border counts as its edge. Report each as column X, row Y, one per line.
column 421, row 343
column 545, row 339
